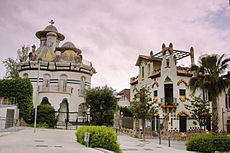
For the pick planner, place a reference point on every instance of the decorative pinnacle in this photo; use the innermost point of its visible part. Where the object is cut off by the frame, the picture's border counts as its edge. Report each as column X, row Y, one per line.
column 170, row 45
column 163, row 45
column 191, row 49
column 51, row 22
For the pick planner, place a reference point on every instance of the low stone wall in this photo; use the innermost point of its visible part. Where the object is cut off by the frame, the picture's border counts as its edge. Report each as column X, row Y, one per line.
column 181, row 136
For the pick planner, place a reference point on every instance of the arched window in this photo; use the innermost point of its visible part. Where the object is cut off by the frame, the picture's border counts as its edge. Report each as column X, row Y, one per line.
column 46, row 81
column 63, row 83
column 82, row 86
column 25, row 75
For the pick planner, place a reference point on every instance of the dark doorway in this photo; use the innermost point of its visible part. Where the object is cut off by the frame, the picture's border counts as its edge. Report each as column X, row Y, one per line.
column 228, row 126
column 9, row 118
column 155, row 123
column 208, row 125
column 183, row 124
column 168, row 94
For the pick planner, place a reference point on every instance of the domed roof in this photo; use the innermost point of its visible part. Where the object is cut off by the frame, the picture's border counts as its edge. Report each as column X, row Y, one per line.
column 51, row 34
column 50, row 28
column 69, row 45
column 45, row 53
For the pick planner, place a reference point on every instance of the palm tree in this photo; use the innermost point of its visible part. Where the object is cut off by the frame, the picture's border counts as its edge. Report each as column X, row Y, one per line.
column 211, row 76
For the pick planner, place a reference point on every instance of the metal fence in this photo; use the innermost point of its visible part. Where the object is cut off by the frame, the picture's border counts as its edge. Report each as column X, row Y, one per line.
column 127, row 122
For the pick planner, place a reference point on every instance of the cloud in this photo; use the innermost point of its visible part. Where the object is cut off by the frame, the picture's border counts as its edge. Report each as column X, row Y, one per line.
column 113, row 33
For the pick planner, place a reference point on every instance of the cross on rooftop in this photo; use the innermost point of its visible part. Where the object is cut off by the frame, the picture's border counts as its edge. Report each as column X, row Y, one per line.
column 51, row 22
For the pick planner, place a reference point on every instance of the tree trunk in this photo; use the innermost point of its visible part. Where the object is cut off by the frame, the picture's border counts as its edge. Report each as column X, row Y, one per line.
column 214, row 116
column 143, row 126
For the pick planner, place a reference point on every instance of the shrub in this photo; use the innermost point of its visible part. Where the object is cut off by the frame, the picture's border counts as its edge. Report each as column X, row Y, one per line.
column 46, row 115
column 100, row 136
column 208, row 143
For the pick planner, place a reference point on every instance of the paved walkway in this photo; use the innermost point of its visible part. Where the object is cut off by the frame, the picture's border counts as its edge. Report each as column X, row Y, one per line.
column 134, row 145
column 43, row 141
column 24, row 140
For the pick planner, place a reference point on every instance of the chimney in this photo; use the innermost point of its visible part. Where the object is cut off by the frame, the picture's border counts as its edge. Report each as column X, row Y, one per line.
column 192, row 56
column 151, row 53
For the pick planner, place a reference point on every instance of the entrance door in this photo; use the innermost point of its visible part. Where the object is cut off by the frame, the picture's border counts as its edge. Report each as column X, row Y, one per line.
column 63, row 114
column 169, row 94
column 228, row 126
column 9, row 118
column 183, row 124
column 208, row 126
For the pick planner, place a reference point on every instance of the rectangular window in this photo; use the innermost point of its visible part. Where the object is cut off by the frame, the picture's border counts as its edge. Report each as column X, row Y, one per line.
column 227, row 101
column 155, row 93
column 143, row 71
column 182, row 92
column 207, row 96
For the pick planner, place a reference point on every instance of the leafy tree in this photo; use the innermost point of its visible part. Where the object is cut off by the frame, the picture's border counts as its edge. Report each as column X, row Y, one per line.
column 126, row 111
column 11, row 68
column 23, row 53
column 143, row 107
column 22, row 90
column 102, row 104
column 11, row 64
column 199, row 109
column 211, row 76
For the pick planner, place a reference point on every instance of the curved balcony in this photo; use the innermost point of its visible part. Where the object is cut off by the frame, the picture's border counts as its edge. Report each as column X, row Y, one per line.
column 55, row 89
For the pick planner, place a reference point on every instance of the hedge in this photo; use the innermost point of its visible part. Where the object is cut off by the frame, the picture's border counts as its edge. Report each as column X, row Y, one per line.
column 100, row 136
column 208, row 143
column 22, row 90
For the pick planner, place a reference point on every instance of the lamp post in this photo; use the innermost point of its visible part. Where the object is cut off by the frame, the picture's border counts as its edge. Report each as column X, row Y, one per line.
column 36, row 102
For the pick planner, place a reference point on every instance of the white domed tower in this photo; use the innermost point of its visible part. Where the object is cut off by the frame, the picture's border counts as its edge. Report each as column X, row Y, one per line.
column 63, row 76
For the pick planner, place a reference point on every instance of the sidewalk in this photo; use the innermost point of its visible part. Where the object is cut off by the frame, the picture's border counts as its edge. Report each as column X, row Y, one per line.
column 133, row 145
column 43, row 141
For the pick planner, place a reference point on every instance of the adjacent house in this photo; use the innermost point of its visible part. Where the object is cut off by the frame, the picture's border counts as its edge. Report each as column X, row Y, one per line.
column 168, row 84
column 124, row 98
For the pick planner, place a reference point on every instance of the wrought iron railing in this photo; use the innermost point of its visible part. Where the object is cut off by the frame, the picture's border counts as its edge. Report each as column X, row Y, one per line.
column 169, row 101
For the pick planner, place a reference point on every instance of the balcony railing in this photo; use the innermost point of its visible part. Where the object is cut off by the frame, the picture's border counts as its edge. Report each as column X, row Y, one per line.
column 55, row 88
column 168, row 102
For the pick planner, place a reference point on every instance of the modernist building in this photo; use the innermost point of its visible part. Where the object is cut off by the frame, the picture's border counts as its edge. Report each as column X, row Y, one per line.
column 168, row 84
column 63, row 75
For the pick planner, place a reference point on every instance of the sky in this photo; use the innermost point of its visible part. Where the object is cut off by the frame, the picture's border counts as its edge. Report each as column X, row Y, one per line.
column 113, row 33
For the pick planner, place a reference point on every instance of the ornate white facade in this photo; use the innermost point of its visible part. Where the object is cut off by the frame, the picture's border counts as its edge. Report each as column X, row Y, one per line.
column 168, row 84
column 63, row 75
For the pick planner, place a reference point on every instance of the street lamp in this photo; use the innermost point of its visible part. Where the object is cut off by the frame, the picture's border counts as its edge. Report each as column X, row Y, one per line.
column 36, row 109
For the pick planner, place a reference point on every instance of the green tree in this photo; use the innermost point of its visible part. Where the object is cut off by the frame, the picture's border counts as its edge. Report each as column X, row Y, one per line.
column 199, row 109
column 11, row 68
column 102, row 104
column 23, row 53
column 22, row 90
column 211, row 76
column 11, row 64
column 143, row 107
column 126, row 111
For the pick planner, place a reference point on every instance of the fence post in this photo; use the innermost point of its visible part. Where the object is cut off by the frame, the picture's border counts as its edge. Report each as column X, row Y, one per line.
column 169, row 141
column 159, row 129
